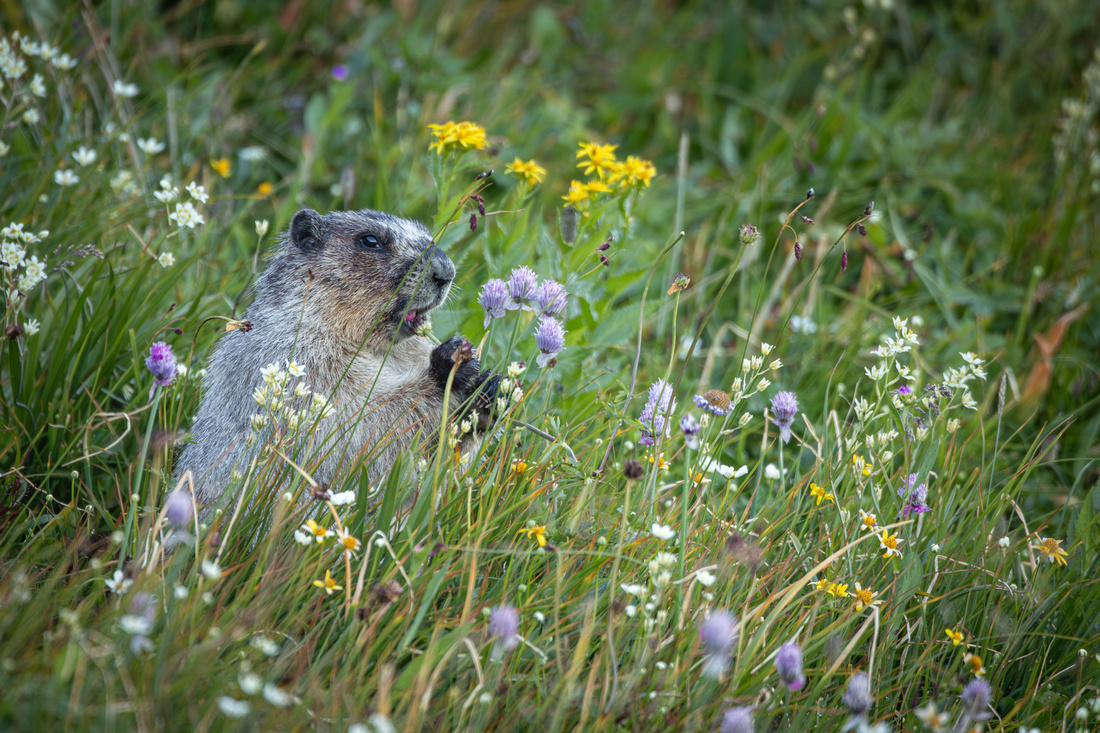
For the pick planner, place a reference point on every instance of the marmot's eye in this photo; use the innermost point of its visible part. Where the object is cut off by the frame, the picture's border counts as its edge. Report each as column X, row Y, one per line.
column 370, row 241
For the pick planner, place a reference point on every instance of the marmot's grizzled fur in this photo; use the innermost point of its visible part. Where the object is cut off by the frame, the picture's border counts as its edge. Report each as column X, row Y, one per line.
column 343, row 297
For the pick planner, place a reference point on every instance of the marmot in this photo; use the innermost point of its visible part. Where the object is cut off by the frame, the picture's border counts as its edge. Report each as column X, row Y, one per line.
column 342, row 299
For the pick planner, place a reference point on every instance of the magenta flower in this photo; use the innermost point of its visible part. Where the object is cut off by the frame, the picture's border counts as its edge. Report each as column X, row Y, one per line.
column 494, row 299
column 550, row 298
column 788, row 663
column 162, row 363
column 521, row 288
column 784, row 408
column 654, row 417
column 550, row 338
column 718, row 632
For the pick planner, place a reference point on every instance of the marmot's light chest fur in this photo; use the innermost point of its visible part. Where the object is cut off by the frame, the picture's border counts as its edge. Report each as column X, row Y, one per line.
column 342, row 297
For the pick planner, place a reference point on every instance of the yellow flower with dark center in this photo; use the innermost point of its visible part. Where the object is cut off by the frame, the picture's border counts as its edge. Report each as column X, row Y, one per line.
column 455, row 135
column 264, row 189
column 538, row 533
column 820, row 494
column 600, row 158
column 577, row 195
column 1051, row 550
column 636, row 172
column 976, row 667
column 890, row 543
column 222, row 166
column 955, row 636
column 328, row 584
column 838, row 590
column 530, row 170
column 864, row 597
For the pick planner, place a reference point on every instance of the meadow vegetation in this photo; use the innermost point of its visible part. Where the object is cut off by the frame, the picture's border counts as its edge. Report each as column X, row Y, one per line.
column 796, row 308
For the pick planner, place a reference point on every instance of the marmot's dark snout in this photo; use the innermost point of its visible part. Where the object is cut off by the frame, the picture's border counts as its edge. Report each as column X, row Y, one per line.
column 442, row 270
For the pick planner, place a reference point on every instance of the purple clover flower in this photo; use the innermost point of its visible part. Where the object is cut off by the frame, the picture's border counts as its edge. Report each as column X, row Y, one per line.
column 177, row 508
column 690, row 428
column 162, row 363
column 494, row 299
column 788, row 663
column 521, row 288
column 550, row 338
column 654, row 417
column 504, row 626
column 550, row 298
column 914, row 496
column 857, row 698
column 784, row 407
column 737, row 720
column 714, row 401
column 976, row 697
column 718, row 633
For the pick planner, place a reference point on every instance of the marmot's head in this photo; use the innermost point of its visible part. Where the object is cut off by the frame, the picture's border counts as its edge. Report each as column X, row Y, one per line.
column 374, row 275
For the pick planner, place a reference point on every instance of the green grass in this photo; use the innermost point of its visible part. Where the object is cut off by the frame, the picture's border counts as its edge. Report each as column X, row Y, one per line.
column 952, row 118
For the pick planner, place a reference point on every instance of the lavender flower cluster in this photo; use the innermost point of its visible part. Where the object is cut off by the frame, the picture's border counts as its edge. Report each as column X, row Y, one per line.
column 523, row 291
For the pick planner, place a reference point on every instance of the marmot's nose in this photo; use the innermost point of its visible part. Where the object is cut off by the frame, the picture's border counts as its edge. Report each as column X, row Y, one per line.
column 442, row 269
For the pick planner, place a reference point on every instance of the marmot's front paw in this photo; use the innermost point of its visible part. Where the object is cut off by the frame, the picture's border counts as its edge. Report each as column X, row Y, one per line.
column 442, row 362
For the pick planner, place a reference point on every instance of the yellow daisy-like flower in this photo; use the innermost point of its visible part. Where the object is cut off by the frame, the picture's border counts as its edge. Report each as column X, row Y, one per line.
column 600, row 158
column 598, row 186
column 1050, row 549
column 955, row 635
column 822, row 584
column 328, row 584
column 537, row 533
column 455, row 135
column 319, row 532
column 661, row 462
column 975, row 662
column 264, row 189
column 222, row 166
column 349, row 543
column 869, row 521
column 530, row 170
column 519, row 467
column 838, row 590
column 820, row 494
column 890, row 543
column 865, row 597
column 636, row 172
column 932, row 718
column 577, row 195
column 861, row 466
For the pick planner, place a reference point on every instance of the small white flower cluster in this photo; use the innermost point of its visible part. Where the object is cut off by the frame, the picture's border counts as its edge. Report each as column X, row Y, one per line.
column 185, row 214
column 13, row 255
column 13, row 67
column 293, row 407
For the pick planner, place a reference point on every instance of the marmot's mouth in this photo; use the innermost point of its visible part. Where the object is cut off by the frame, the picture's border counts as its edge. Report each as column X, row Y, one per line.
column 414, row 319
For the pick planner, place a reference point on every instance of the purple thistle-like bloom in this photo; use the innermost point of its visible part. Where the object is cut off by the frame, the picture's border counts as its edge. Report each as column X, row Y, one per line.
column 737, row 720
column 904, row 390
column 976, row 697
column 550, row 338
column 784, row 407
column 718, row 632
column 915, row 501
column 162, row 363
column 714, row 401
column 177, row 508
column 494, row 299
column 857, row 698
column 521, row 288
column 654, row 417
column 691, row 428
column 550, row 298
column 339, row 72
column 788, row 663
column 503, row 626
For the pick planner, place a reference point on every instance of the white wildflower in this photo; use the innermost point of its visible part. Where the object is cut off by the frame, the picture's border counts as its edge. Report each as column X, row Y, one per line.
column 38, row 86
column 211, row 569
column 65, row 178
column 64, row 62
column 662, row 531
column 123, row 89
column 197, row 192
column 706, row 578
column 84, row 156
column 233, row 708
column 150, row 145
column 119, row 583
column 166, row 259
column 250, row 682
column 277, row 696
column 343, row 498
column 261, row 227
column 31, row 327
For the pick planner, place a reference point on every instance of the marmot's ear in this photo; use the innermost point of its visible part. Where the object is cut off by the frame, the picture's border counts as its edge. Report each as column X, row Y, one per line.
column 305, row 230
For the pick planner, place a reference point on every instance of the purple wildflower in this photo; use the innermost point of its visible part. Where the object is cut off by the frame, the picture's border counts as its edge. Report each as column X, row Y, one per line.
column 748, row 234
column 976, row 697
column 788, row 663
column 521, row 288
column 654, row 417
column 784, row 407
column 550, row 338
column 737, row 720
column 915, row 497
column 714, row 401
column 797, row 250
column 339, row 72
column 503, row 626
column 162, row 363
column 718, row 632
column 862, row 229
column 857, row 698
column 904, row 390
column 844, row 260
column 473, row 222
column 494, row 299
column 691, row 428
column 177, row 508
column 550, row 298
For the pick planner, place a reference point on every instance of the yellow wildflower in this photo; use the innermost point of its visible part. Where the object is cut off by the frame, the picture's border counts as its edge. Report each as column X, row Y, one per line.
column 955, row 635
column 264, row 189
column 577, row 195
column 838, row 590
column 455, row 135
column 820, row 494
column 601, row 158
column 890, row 542
column 661, row 462
column 328, row 584
column 1050, row 549
column 635, row 171
column 519, row 467
column 861, row 466
column 822, row 584
column 222, row 166
column 975, row 662
column 532, row 171
column 869, row 521
column 865, row 597
column 349, row 543
column 319, row 532
column 538, row 533
column 598, row 186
